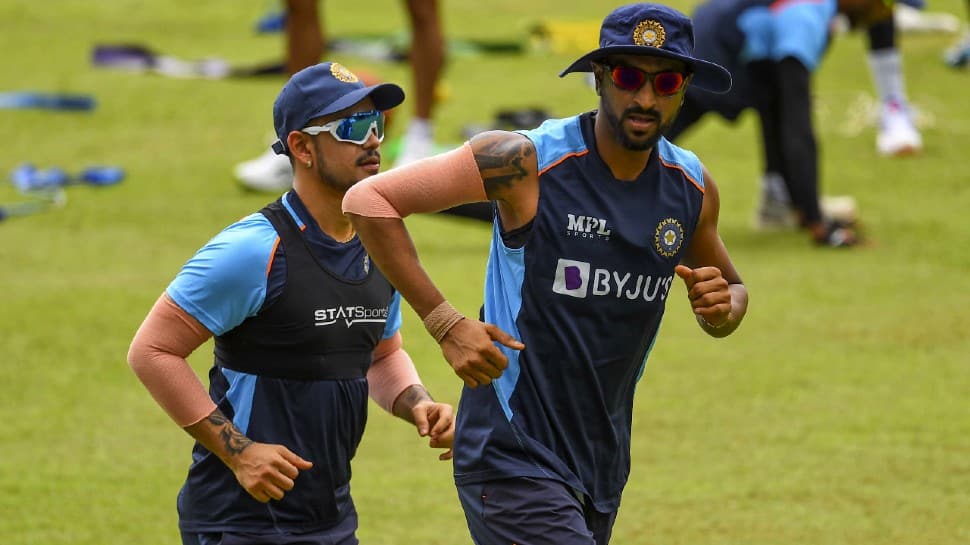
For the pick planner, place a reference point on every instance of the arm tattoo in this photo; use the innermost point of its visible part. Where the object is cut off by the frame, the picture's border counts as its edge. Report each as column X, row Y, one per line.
column 233, row 439
column 406, row 400
column 501, row 161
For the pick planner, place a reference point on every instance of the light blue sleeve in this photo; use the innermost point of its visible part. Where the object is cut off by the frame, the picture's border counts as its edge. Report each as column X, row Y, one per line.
column 686, row 160
column 225, row 281
column 798, row 28
column 556, row 139
column 393, row 323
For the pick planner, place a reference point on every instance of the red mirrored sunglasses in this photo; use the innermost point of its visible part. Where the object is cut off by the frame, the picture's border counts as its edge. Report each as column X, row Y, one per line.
column 629, row 78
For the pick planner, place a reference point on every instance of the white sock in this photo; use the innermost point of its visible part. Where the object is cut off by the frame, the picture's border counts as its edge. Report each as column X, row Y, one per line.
column 887, row 73
column 773, row 187
column 419, row 129
column 417, row 143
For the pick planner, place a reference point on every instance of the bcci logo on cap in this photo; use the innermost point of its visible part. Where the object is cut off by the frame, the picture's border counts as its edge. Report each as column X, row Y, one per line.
column 649, row 33
column 341, row 73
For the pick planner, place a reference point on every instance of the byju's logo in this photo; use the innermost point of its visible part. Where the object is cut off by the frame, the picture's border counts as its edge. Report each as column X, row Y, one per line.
column 587, row 227
column 572, row 278
column 578, row 279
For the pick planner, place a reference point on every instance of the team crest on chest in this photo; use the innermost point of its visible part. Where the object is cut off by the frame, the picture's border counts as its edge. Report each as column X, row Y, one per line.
column 668, row 237
column 649, row 33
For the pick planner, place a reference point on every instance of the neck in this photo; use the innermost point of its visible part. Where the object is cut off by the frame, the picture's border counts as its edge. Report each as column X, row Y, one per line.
column 323, row 204
column 625, row 164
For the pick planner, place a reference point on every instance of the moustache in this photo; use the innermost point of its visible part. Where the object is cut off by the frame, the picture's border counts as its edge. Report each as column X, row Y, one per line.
column 650, row 113
column 369, row 157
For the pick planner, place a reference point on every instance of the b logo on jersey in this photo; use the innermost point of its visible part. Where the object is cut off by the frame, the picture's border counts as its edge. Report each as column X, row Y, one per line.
column 668, row 237
column 578, row 279
column 587, row 227
column 572, row 278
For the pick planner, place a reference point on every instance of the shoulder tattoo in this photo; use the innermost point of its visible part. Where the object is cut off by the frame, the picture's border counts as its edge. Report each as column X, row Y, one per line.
column 501, row 161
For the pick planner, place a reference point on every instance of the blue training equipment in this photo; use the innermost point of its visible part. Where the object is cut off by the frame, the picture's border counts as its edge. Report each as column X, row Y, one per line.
column 29, row 178
column 47, row 101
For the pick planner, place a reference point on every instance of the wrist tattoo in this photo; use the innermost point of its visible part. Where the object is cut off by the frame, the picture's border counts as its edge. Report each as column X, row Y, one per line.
column 233, row 439
column 406, row 400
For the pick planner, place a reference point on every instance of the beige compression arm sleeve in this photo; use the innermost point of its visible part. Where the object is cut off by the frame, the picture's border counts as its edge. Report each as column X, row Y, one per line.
column 391, row 372
column 157, row 356
column 430, row 185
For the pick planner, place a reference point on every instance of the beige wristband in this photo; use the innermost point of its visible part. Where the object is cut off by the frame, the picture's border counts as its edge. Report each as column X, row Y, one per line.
column 440, row 320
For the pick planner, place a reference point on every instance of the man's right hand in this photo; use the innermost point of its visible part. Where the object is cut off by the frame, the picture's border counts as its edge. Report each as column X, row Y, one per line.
column 267, row 471
column 469, row 346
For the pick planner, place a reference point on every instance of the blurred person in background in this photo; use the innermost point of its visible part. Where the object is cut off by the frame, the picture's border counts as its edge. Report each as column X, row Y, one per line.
column 958, row 56
column 306, row 43
column 305, row 327
column 896, row 132
column 597, row 215
column 773, row 50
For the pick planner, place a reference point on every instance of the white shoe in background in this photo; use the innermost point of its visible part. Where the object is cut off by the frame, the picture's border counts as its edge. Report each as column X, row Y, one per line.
column 898, row 135
column 775, row 212
column 268, row 173
column 840, row 208
column 417, row 142
column 910, row 19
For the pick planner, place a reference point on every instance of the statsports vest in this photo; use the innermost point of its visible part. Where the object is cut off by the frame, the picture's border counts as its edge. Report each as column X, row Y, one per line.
column 294, row 374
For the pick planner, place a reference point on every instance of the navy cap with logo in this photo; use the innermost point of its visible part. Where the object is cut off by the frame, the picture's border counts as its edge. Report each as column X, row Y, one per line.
column 657, row 31
column 321, row 90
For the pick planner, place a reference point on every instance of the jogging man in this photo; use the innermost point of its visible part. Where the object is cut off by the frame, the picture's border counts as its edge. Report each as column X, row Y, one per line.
column 305, row 328
column 596, row 216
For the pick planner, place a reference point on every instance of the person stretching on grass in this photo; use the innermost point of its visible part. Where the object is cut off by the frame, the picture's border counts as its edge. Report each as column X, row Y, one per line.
column 773, row 49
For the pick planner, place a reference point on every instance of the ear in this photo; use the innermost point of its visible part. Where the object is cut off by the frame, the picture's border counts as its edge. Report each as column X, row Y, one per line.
column 299, row 145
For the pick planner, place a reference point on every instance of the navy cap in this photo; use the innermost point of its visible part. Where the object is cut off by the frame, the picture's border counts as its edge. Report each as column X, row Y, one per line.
column 657, row 31
column 321, row 90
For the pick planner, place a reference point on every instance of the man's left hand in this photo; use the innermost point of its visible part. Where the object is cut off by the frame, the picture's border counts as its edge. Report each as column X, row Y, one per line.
column 437, row 421
column 708, row 292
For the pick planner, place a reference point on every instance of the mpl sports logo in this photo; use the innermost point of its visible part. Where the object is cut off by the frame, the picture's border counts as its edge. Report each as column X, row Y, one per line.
column 350, row 315
column 579, row 279
column 587, row 227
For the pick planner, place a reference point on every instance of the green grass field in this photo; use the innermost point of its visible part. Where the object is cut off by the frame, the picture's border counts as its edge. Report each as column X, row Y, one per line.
column 838, row 414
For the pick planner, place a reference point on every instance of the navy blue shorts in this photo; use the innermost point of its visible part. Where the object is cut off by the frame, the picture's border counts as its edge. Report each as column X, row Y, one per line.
column 341, row 534
column 527, row 511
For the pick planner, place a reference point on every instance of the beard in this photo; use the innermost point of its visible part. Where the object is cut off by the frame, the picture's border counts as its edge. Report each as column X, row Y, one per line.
column 629, row 140
column 337, row 180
